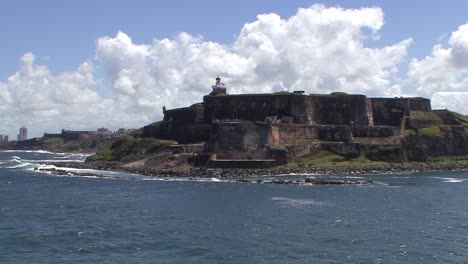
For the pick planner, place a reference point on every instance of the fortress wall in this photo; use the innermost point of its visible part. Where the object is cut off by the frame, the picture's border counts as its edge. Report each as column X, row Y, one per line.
column 153, row 131
column 184, row 125
column 186, row 116
column 369, row 112
column 68, row 135
column 384, row 110
column 52, row 135
column 313, row 109
column 375, row 131
column 341, row 110
column 291, row 133
column 335, row 133
column 240, row 140
column 256, row 107
column 389, row 111
column 191, row 134
column 419, row 104
column 181, row 134
column 302, row 108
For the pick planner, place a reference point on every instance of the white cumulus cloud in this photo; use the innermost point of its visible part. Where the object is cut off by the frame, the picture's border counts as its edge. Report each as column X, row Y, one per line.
column 443, row 76
column 319, row 49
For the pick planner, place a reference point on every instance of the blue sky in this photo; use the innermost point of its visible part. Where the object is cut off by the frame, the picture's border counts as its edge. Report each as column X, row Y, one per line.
column 75, row 47
column 63, row 33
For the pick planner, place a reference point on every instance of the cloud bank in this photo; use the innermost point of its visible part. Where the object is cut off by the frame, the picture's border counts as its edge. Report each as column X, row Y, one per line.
column 320, row 50
column 443, row 76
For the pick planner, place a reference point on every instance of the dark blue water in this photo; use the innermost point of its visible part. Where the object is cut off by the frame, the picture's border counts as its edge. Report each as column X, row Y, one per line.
column 421, row 218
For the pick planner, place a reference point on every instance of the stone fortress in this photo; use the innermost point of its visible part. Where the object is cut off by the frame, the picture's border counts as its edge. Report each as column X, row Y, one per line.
column 262, row 130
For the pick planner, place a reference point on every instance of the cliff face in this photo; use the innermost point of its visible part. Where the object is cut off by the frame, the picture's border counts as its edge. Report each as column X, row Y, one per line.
column 283, row 126
column 436, row 141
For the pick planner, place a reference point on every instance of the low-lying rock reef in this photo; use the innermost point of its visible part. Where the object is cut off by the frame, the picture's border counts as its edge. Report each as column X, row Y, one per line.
column 247, row 174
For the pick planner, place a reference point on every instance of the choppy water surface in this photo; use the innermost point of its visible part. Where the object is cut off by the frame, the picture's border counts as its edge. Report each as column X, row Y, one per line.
column 419, row 218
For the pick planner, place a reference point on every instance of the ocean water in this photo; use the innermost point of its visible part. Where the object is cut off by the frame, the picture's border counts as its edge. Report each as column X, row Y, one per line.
column 417, row 218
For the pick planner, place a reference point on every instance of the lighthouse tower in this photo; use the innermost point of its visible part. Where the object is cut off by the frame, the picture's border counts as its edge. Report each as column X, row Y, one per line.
column 218, row 88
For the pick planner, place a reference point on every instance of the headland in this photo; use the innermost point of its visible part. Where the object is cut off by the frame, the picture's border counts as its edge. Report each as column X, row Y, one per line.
column 291, row 132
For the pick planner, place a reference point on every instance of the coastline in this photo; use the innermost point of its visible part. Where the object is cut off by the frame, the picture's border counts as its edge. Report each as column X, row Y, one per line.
column 240, row 174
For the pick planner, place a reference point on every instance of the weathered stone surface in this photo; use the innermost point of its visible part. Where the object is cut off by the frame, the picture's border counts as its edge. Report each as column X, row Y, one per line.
column 335, row 133
column 383, row 114
column 347, row 149
column 389, row 153
column 375, row 131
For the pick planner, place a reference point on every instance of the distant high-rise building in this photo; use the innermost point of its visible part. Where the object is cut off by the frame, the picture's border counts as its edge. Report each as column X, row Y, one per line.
column 3, row 138
column 23, row 134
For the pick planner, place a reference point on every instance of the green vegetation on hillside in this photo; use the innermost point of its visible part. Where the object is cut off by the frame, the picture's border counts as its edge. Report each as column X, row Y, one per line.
column 430, row 132
column 460, row 118
column 328, row 159
column 131, row 148
column 424, row 119
column 52, row 143
column 449, row 159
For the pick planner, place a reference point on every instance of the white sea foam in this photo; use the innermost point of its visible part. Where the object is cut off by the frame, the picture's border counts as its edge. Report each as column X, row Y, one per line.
column 295, row 174
column 57, row 161
column 21, row 165
column 31, row 151
column 46, row 152
column 452, row 180
column 297, row 202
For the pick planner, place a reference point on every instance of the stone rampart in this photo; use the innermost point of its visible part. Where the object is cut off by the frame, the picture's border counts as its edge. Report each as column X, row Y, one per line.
column 240, row 140
column 181, row 134
column 290, row 133
column 52, row 135
column 335, row 133
column 375, row 131
column 257, row 107
column 390, row 111
column 186, row 116
column 305, row 109
column 340, row 109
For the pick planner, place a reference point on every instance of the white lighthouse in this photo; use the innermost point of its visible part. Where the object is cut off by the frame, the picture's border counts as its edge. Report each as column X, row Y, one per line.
column 218, row 88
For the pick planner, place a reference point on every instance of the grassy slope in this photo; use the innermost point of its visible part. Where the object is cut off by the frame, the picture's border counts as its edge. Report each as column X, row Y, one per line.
column 131, row 149
column 329, row 159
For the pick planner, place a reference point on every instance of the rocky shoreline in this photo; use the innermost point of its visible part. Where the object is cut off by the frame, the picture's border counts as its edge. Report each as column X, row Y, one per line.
column 239, row 174
column 306, row 181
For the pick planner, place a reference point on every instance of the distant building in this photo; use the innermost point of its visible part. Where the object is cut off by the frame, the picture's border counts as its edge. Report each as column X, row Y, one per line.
column 103, row 130
column 23, row 134
column 3, row 138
